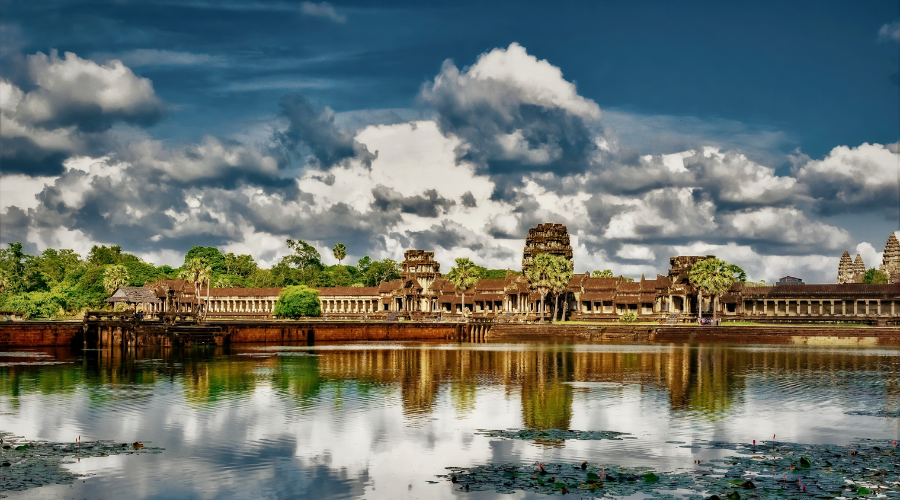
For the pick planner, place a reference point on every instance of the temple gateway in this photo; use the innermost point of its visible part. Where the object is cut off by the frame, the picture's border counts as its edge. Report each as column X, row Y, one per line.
column 423, row 293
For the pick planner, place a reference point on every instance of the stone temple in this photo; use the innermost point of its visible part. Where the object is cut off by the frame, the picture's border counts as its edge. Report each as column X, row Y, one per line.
column 424, row 294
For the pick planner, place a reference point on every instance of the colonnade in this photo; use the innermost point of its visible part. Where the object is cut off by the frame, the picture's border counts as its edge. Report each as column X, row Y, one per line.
column 349, row 305
column 822, row 307
column 242, row 305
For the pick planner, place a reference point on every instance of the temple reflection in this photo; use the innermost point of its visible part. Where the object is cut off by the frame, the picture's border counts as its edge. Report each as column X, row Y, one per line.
column 706, row 379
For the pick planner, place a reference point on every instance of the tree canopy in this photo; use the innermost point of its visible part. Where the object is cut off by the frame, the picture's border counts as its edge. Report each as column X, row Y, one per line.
column 875, row 277
column 298, row 301
column 714, row 277
column 463, row 275
column 340, row 252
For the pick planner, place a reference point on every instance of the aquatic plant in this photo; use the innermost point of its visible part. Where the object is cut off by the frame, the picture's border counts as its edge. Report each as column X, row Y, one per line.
column 28, row 464
column 769, row 470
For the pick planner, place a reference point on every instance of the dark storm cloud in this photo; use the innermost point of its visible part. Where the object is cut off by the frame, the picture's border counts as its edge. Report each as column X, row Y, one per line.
column 468, row 200
column 430, row 205
column 312, row 130
column 14, row 227
column 20, row 155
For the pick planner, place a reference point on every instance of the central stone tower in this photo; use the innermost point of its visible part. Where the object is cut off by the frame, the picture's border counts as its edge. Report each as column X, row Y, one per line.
column 546, row 238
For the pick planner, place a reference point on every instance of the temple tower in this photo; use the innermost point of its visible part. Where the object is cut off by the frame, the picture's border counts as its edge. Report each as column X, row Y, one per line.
column 859, row 269
column 420, row 266
column 546, row 238
column 890, row 264
column 845, row 269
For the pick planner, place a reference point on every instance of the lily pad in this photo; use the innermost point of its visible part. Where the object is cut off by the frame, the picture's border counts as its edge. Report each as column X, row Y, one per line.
column 767, row 471
column 29, row 464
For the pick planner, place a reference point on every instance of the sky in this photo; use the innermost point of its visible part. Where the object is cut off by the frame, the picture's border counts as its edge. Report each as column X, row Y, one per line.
column 765, row 133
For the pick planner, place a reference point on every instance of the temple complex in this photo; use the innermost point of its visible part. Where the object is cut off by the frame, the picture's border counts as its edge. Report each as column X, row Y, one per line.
column 423, row 294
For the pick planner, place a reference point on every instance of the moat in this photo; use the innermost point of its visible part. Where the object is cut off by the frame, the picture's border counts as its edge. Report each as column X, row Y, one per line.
column 386, row 420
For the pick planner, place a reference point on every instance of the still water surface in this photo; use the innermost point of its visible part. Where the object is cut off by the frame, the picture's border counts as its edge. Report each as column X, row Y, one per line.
column 383, row 420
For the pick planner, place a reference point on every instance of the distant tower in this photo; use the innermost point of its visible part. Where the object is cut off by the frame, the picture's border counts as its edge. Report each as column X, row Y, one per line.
column 845, row 269
column 890, row 265
column 859, row 269
column 546, row 238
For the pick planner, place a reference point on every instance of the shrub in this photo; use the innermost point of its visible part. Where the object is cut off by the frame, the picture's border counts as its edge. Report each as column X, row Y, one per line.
column 298, row 301
column 629, row 317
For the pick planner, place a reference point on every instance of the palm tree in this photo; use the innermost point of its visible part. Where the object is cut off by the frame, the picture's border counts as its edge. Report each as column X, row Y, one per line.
column 559, row 280
column 197, row 272
column 540, row 273
column 114, row 277
column 715, row 277
column 463, row 276
column 340, row 252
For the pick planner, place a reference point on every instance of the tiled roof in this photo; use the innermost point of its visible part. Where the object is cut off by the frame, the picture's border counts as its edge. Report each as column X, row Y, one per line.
column 594, row 284
column 848, row 290
column 598, row 296
column 491, row 284
column 133, row 295
column 242, row 292
column 351, row 291
column 632, row 286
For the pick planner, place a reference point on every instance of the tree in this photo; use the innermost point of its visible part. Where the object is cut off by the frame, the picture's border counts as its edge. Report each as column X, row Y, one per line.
column 606, row 273
column 340, row 252
column 305, row 255
column 211, row 256
column 875, row 277
column 115, row 276
column 380, row 271
column 103, row 255
column 298, row 301
column 713, row 276
column 239, row 265
column 540, row 275
column 363, row 264
column 197, row 272
column 559, row 280
column 12, row 268
column 463, row 276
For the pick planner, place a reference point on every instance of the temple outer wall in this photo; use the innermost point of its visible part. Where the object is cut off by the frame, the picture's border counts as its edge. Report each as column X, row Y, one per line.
column 319, row 331
column 41, row 333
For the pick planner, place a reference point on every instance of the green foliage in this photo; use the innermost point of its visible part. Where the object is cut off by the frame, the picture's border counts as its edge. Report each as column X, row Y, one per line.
column 242, row 266
column 540, row 274
column 102, row 255
column 210, row 256
column 606, row 273
column 463, row 276
column 739, row 274
column 628, row 317
column 494, row 274
column 115, row 276
column 38, row 304
column 713, row 276
column 559, row 280
column 875, row 277
column 298, row 301
column 340, row 252
column 305, row 255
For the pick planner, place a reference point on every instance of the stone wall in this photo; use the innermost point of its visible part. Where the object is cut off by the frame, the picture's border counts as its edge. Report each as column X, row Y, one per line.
column 318, row 331
column 40, row 333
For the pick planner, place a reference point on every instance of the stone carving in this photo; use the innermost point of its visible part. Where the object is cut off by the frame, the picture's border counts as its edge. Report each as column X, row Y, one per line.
column 546, row 238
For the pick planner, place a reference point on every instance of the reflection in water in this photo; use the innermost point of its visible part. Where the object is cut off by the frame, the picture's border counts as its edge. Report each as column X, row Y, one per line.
column 322, row 416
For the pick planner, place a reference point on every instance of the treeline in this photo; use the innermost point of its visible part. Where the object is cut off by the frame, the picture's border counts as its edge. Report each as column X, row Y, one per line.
column 60, row 283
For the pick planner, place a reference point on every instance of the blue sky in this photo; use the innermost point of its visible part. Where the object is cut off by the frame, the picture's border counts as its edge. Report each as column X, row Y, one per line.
column 562, row 112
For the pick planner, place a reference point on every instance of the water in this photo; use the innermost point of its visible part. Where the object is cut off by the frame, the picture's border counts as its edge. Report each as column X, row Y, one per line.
column 383, row 420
